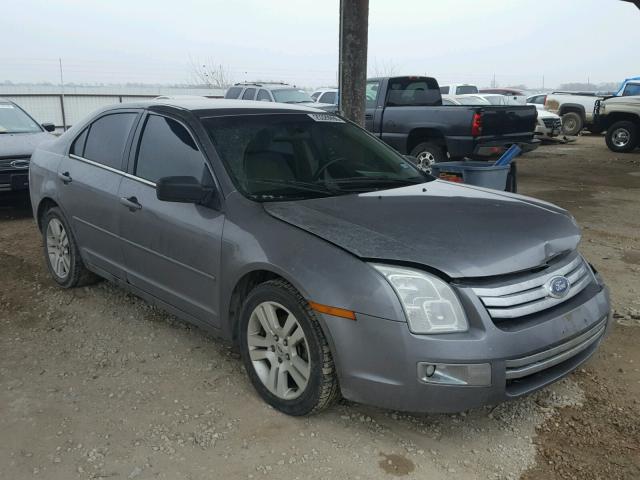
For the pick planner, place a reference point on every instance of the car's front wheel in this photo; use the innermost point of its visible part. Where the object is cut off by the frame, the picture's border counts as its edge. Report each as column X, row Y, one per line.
column 284, row 351
column 61, row 251
column 622, row 136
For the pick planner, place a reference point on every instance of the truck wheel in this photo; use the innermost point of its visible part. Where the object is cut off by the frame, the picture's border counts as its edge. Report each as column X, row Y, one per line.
column 426, row 154
column 622, row 136
column 572, row 123
column 284, row 351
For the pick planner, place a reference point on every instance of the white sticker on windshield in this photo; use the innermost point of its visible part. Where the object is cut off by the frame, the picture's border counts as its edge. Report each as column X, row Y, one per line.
column 5, row 105
column 325, row 117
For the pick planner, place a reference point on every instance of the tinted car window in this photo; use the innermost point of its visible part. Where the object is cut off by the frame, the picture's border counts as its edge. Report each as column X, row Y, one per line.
column 107, row 139
column 263, row 95
column 248, row 94
column 77, row 147
column 329, row 97
column 315, row 95
column 233, row 92
column 167, row 149
column 466, row 89
column 413, row 92
column 631, row 89
column 444, row 90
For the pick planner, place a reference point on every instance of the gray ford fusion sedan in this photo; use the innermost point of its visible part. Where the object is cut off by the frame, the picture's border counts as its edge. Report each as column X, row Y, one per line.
column 334, row 265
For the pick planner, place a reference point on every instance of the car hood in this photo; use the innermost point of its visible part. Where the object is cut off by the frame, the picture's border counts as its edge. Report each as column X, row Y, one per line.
column 21, row 144
column 460, row 230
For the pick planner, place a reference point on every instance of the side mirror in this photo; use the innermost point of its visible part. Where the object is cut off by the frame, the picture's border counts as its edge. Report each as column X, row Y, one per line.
column 49, row 127
column 183, row 190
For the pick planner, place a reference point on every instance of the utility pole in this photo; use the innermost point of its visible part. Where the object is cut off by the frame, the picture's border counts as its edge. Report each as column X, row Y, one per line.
column 64, row 120
column 354, row 31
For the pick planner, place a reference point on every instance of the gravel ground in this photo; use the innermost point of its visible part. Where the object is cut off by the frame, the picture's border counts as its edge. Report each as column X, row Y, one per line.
column 94, row 383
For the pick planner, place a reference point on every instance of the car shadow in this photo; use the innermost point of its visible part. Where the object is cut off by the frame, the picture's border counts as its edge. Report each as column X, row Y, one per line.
column 15, row 206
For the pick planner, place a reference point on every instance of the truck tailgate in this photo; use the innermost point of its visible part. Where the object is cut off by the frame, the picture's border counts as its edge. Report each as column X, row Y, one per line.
column 509, row 119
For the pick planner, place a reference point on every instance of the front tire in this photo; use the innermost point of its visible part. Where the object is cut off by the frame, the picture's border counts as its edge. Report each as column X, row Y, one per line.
column 284, row 351
column 426, row 154
column 61, row 251
column 572, row 123
column 622, row 137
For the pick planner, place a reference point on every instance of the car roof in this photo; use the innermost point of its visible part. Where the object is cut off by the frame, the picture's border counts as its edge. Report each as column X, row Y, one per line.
column 198, row 105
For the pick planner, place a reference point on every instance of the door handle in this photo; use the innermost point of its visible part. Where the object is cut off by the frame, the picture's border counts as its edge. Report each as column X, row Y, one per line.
column 65, row 177
column 131, row 203
column 368, row 115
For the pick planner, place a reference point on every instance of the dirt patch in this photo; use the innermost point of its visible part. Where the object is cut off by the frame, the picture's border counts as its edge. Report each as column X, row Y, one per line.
column 396, row 465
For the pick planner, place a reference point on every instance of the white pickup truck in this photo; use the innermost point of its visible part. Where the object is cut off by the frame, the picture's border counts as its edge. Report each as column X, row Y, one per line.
column 576, row 108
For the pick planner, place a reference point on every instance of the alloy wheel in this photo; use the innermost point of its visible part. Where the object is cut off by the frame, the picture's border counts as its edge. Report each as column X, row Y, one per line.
column 425, row 161
column 58, row 248
column 279, row 350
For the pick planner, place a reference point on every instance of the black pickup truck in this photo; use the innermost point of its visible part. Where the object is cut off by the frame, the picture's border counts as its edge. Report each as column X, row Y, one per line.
column 408, row 114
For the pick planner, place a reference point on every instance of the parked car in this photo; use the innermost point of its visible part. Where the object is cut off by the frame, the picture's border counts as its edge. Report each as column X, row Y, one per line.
column 327, row 96
column 271, row 92
column 629, row 87
column 20, row 134
column 620, row 117
column 469, row 99
column 549, row 124
column 516, row 97
column 576, row 110
column 458, row 89
column 333, row 263
column 498, row 99
column 416, row 122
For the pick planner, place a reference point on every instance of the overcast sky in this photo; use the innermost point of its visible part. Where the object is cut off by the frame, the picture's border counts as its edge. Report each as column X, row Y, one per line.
column 154, row 41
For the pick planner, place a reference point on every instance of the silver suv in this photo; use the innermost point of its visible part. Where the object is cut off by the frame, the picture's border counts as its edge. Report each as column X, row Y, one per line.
column 335, row 265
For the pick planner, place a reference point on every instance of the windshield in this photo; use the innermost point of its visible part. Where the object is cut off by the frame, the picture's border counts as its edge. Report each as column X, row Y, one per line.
column 296, row 156
column 291, row 95
column 631, row 89
column 14, row 120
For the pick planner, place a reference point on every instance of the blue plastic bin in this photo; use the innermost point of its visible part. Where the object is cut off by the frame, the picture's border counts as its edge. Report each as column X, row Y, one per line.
column 481, row 174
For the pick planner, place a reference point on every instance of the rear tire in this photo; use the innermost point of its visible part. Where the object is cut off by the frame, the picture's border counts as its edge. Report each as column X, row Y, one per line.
column 285, row 352
column 428, row 153
column 61, row 252
column 622, row 137
column 572, row 123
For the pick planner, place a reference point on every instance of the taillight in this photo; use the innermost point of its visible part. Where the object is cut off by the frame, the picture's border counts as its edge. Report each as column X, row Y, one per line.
column 476, row 125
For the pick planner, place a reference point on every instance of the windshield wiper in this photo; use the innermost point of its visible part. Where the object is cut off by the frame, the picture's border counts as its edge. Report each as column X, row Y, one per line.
column 309, row 187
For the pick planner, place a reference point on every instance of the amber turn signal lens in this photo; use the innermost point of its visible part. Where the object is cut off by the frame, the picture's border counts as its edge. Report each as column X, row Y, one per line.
column 335, row 311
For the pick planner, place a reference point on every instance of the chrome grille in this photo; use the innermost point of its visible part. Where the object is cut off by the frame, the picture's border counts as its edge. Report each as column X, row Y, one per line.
column 521, row 298
column 552, row 123
column 23, row 162
column 525, row 366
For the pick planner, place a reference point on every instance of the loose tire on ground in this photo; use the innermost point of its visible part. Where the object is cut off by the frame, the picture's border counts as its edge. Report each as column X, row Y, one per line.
column 61, row 251
column 622, row 136
column 572, row 123
column 428, row 153
column 264, row 350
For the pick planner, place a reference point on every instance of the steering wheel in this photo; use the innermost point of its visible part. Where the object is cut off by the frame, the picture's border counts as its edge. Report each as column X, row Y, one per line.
column 327, row 165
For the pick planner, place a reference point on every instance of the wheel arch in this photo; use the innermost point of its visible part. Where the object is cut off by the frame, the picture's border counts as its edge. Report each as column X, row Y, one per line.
column 614, row 117
column 419, row 135
column 573, row 108
column 45, row 205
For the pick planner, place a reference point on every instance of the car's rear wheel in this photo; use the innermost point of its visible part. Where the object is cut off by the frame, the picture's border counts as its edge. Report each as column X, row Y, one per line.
column 622, row 136
column 285, row 352
column 426, row 154
column 61, row 251
column 572, row 123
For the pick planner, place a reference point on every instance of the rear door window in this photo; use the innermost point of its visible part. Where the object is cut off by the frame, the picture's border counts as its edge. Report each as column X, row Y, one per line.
column 444, row 90
column 263, row 95
column 466, row 89
column 249, row 93
column 167, row 149
column 77, row 147
column 233, row 92
column 107, row 139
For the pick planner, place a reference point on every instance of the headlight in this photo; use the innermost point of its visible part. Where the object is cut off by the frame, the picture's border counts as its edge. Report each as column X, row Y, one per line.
column 430, row 304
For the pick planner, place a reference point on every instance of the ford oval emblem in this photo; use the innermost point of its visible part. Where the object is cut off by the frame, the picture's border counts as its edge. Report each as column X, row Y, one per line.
column 558, row 287
column 20, row 164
